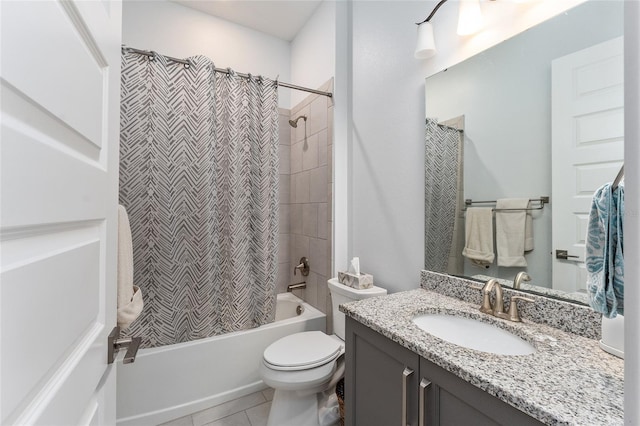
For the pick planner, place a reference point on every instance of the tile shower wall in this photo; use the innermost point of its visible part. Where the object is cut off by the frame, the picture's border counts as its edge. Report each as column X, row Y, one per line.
column 310, row 207
column 284, row 252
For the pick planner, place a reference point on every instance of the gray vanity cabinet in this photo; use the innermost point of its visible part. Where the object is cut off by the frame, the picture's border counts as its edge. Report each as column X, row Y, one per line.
column 385, row 383
column 384, row 372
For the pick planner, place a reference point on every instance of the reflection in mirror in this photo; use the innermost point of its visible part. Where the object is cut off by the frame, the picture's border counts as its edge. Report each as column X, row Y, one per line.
column 540, row 114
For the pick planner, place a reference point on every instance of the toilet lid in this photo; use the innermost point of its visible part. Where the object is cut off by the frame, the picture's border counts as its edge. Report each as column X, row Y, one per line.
column 301, row 351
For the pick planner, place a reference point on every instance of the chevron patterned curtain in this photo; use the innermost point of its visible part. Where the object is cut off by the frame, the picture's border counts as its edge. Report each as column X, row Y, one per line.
column 199, row 179
column 443, row 147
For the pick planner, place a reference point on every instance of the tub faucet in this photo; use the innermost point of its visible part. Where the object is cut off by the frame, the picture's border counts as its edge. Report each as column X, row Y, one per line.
column 522, row 276
column 297, row 286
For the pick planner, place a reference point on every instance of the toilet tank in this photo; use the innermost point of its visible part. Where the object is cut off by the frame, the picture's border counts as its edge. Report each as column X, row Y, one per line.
column 340, row 294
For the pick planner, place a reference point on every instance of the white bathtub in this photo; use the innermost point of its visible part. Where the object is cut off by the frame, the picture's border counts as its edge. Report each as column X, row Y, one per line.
column 173, row 381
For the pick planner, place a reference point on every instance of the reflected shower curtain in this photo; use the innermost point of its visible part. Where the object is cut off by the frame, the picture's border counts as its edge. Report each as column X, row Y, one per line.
column 443, row 178
column 199, row 179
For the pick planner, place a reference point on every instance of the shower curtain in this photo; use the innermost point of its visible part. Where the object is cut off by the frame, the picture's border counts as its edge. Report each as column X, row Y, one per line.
column 199, row 178
column 443, row 193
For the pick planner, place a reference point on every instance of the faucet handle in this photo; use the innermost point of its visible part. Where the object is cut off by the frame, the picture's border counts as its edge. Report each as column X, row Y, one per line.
column 513, row 307
column 486, row 301
column 303, row 266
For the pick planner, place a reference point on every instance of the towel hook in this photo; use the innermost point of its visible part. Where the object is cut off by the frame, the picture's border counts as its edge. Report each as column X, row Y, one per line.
column 618, row 178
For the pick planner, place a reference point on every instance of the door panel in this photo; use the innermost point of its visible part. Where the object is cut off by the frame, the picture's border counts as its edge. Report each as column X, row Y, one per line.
column 29, row 284
column 54, row 198
column 58, row 209
column 59, row 66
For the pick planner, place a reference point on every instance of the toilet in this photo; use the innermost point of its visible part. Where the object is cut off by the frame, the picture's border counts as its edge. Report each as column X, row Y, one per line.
column 304, row 368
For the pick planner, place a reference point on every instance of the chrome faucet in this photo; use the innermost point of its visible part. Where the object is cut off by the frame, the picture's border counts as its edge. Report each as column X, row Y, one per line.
column 303, row 267
column 497, row 309
column 486, row 306
column 521, row 276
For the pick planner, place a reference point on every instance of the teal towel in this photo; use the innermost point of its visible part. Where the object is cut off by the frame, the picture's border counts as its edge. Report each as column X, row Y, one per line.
column 605, row 258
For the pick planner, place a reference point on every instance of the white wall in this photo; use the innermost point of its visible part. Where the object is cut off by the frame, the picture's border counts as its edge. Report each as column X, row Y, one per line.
column 175, row 30
column 387, row 153
column 386, row 163
column 632, row 213
column 342, row 124
column 313, row 51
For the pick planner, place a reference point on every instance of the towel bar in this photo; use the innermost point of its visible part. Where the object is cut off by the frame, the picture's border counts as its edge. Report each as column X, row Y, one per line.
column 542, row 201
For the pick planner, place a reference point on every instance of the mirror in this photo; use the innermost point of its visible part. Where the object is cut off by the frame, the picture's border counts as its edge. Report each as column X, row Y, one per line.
column 509, row 103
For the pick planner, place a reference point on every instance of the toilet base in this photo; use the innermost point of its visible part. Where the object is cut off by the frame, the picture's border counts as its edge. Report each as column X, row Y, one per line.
column 290, row 408
column 301, row 407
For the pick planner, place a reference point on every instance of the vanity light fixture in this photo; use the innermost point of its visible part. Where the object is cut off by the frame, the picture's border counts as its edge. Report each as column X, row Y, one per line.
column 470, row 21
column 426, row 46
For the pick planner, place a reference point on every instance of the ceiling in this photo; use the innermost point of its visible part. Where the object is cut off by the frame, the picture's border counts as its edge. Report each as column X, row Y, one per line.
column 282, row 19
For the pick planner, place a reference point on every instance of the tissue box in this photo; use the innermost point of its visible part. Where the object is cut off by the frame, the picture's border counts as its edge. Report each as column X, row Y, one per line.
column 360, row 282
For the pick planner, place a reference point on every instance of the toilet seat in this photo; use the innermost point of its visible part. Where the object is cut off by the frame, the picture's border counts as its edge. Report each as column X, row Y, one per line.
column 302, row 351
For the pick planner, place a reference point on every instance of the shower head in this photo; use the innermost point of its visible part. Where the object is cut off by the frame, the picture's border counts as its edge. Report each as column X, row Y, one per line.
column 294, row 123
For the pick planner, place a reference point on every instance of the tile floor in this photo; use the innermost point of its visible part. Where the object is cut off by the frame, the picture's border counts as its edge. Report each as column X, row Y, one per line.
column 250, row 410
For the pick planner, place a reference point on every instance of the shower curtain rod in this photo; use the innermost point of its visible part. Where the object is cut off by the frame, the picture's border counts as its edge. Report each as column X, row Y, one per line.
column 450, row 128
column 226, row 71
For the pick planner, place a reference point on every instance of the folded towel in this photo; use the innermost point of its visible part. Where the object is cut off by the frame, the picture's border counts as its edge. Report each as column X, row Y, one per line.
column 604, row 247
column 478, row 235
column 528, row 230
column 129, row 296
column 514, row 231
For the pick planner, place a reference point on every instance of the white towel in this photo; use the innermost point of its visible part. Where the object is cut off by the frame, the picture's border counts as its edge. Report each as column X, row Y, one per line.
column 129, row 296
column 478, row 235
column 514, row 231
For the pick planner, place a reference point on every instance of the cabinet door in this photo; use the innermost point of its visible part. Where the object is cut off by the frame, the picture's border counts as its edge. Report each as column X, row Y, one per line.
column 386, row 377
column 450, row 401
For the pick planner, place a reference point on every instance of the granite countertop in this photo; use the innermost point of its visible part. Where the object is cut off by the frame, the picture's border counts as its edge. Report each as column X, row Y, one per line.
column 568, row 380
column 575, row 296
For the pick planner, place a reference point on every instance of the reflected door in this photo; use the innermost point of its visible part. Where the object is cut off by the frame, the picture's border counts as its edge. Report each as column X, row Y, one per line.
column 587, row 148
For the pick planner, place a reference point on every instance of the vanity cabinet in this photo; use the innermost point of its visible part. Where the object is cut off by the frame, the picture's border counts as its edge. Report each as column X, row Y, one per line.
column 388, row 385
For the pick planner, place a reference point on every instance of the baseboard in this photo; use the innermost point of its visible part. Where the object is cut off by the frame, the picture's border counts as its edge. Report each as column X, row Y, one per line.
column 170, row 413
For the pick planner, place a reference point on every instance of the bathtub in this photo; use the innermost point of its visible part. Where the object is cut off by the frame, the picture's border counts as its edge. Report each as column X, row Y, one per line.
column 173, row 381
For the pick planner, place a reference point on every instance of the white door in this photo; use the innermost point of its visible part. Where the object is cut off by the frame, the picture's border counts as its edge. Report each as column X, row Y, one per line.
column 60, row 70
column 587, row 147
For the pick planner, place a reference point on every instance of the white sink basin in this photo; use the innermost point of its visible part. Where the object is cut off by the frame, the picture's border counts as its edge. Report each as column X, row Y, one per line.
column 473, row 334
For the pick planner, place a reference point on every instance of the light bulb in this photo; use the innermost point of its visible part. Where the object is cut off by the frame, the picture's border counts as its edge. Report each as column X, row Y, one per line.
column 470, row 19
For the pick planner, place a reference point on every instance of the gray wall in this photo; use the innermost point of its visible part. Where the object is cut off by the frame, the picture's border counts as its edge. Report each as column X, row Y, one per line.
column 387, row 177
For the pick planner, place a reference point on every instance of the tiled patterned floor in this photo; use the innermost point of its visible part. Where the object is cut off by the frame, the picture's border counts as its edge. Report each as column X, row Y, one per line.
column 250, row 410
